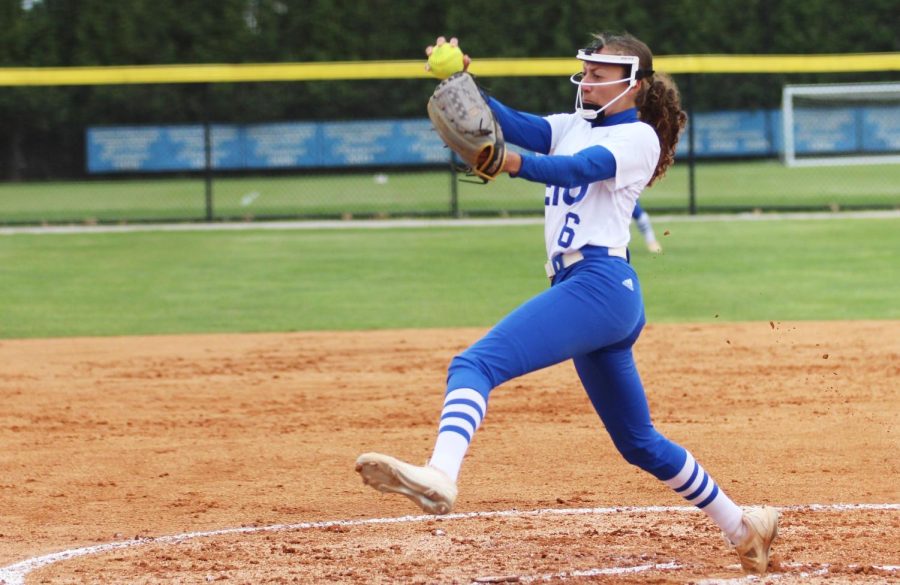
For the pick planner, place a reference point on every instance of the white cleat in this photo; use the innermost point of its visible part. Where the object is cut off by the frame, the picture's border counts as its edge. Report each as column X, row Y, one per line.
column 762, row 528
column 654, row 247
column 427, row 486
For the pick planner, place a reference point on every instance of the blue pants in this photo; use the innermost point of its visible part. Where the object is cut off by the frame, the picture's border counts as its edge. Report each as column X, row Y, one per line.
column 593, row 314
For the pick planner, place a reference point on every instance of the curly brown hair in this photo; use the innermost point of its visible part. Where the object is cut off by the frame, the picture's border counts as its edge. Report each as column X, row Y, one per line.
column 658, row 101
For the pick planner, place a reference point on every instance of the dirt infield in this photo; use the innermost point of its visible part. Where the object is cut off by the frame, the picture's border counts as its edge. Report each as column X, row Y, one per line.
column 138, row 445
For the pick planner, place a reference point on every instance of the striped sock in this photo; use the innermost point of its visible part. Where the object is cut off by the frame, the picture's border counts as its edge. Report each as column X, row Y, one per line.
column 696, row 486
column 463, row 412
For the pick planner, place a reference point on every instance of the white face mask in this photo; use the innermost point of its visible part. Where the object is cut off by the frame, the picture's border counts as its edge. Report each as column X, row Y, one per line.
column 577, row 79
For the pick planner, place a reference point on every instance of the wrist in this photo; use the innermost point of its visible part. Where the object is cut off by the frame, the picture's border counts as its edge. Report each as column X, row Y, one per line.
column 513, row 163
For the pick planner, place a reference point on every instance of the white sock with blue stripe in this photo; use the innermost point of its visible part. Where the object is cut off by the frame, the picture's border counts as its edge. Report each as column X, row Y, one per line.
column 696, row 486
column 463, row 412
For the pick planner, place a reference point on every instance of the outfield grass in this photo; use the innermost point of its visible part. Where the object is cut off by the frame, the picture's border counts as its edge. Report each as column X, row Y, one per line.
column 284, row 280
column 765, row 184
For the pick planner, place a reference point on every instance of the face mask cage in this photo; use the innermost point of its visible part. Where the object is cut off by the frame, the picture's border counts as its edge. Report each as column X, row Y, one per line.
column 587, row 55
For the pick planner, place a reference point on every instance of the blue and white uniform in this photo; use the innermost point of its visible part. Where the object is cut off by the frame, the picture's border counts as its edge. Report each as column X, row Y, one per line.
column 596, row 213
column 593, row 312
column 638, row 211
column 645, row 226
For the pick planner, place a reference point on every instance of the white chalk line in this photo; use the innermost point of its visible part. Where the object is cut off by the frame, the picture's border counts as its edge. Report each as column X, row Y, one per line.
column 417, row 223
column 594, row 572
column 15, row 574
column 804, row 570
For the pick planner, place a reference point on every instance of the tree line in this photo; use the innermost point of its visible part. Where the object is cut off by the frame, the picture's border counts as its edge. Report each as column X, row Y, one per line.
column 44, row 127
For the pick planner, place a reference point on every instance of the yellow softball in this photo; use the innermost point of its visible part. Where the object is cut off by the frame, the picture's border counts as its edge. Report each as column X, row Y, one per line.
column 445, row 60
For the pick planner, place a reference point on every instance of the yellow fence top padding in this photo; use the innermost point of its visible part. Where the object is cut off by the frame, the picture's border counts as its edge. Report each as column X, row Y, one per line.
column 255, row 72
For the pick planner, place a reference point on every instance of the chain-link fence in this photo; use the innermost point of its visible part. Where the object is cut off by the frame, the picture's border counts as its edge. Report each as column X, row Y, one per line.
column 244, row 151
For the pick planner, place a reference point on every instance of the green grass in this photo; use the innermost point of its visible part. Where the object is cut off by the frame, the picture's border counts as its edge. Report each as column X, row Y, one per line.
column 765, row 184
column 226, row 281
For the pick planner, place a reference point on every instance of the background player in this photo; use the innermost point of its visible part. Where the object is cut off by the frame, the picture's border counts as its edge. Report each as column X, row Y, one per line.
column 621, row 138
column 642, row 220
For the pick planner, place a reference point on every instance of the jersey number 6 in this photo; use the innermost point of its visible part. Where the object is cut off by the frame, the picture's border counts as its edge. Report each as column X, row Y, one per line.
column 568, row 233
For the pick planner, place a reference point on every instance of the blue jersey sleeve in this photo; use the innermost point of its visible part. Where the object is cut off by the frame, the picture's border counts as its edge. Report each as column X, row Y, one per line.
column 590, row 165
column 522, row 129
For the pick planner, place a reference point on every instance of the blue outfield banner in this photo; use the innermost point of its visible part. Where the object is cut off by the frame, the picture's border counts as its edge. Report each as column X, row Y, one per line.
column 161, row 148
column 881, row 129
column 276, row 146
column 381, row 143
column 733, row 134
column 264, row 146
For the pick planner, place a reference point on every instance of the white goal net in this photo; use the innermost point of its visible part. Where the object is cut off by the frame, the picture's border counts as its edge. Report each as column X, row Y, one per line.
column 850, row 123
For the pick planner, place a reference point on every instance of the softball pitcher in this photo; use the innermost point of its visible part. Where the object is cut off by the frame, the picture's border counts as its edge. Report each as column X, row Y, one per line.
column 595, row 163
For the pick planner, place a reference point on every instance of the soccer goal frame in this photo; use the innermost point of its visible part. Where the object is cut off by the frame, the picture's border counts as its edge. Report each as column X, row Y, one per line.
column 860, row 92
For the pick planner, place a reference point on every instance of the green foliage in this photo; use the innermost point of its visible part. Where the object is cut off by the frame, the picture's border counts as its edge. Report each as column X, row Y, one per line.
column 287, row 280
column 44, row 127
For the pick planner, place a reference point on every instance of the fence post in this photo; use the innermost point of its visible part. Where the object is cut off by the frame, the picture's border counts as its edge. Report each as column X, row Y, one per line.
column 207, row 154
column 454, row 188
column 692, row 183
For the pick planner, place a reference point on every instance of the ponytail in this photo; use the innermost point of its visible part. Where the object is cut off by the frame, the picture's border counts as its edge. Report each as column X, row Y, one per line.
column 658, row 101
column 659, row 104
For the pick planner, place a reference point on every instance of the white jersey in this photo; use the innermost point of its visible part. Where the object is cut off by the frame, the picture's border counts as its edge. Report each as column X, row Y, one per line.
column 597, row 214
